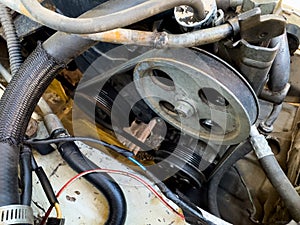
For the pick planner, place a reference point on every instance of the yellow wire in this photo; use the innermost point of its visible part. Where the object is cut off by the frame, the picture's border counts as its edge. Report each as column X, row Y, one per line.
column 58, row 211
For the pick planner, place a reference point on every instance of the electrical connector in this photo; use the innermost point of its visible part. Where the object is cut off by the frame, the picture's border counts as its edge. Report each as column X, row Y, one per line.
column 55, row 221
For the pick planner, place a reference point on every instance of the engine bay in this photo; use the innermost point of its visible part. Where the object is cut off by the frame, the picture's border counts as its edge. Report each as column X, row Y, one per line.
column 149, row 112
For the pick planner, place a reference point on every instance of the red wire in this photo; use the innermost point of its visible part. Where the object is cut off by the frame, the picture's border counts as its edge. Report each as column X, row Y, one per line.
column 69, row 182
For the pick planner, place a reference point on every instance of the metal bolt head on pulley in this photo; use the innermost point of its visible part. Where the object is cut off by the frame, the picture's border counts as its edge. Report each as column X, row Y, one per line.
column 184, row 109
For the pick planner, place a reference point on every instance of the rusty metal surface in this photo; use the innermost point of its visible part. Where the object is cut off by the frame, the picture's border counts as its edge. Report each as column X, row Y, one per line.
column 152, row 134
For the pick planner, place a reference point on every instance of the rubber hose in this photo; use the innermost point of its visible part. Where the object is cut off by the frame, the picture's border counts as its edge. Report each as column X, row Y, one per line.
column 72, row 46
column 104, row 183
column 130, row 12
column 280, row 70
column 13, row 43
column 23, row 92
column 236, row 154
column 282, row 185
column 17, row 105
column 26, row 174
column 9, row 193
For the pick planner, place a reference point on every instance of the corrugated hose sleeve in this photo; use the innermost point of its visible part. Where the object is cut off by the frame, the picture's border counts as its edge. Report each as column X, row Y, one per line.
column 13, row 43
column 17, row 105
column 23, row 92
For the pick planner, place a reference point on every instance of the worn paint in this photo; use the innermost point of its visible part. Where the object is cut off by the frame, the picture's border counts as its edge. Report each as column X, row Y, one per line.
column 24, row 11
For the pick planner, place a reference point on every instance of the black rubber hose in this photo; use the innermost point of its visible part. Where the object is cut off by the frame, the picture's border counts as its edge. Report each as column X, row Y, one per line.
column 17, row 105
column 233, row 155
column 282, row 185
column 9, row 193
column 13, row 43
column 26, row 175
column 280, row 70
column 20, row 99
column 47, row 187
column 23, row 92
column 104, row 183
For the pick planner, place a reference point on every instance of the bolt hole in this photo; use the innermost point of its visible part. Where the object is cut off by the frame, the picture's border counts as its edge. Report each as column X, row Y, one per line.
column 263, row 35
column 210, row 95
column 162, row 79
column 274, row 145
column 168, row 108
column 211, row 126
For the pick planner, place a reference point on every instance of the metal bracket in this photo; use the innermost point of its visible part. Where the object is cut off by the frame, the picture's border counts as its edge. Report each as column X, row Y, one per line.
column 256, row 28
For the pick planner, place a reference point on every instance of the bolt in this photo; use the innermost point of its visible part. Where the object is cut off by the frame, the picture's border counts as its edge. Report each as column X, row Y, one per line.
column 184, row 109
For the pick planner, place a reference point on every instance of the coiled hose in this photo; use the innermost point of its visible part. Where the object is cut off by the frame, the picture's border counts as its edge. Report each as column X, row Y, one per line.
column 13, row 43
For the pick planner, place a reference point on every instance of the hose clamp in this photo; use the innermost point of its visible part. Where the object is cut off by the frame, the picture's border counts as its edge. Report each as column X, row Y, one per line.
column 260, row 144
column 185, row 16
column 16, row 214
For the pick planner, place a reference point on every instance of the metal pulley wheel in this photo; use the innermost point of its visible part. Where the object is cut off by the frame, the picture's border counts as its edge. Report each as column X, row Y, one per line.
column 197, row 93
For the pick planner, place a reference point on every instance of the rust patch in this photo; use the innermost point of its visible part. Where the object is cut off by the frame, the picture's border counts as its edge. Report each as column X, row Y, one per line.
column 114, row 36
column 70, row 198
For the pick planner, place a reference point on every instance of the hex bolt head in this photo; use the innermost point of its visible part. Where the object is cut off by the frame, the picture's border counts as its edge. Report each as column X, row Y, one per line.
column 184, row 109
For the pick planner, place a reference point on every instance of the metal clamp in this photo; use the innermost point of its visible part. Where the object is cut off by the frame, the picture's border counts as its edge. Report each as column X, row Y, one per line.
column 184, row 14
column 259, row 144
column 16, row 214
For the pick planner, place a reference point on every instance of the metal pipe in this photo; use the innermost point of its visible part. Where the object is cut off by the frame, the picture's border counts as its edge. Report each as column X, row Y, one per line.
column 136, row 12
column 163, row 39
column 6, row 75
column 267, row 125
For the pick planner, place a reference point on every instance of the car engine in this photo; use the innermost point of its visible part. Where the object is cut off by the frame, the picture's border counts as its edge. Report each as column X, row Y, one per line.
column 171, row 112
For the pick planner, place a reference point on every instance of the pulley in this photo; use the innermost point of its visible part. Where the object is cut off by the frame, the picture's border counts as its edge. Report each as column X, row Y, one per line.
column 197, row 93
